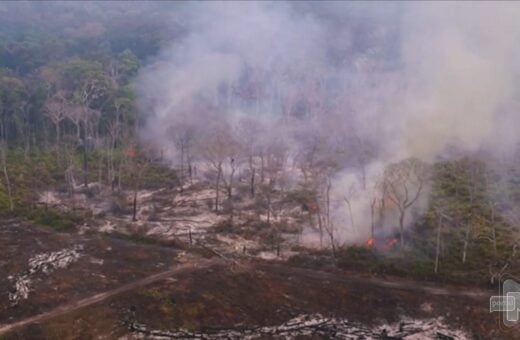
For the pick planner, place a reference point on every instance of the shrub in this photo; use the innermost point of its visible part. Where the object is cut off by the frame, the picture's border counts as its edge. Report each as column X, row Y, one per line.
column 59, row 221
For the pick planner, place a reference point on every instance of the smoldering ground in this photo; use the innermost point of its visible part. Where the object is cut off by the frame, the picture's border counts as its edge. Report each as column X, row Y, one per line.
column 362, row 84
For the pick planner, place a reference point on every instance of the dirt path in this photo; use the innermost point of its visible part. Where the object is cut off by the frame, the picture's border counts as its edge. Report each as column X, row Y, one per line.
column 75, row 305
column 272, row 267
column 420, row 287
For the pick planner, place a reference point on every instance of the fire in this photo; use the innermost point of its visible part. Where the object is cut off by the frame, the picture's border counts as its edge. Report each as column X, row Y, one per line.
column 381, row 243
column 390, row 243
column 131, row 152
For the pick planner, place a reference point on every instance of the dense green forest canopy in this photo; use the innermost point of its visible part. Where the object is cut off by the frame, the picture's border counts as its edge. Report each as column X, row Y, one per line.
column 55, row 56
column 67, row 74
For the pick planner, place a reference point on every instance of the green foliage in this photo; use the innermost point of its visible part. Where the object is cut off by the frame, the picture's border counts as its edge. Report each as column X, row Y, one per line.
column 474, row 199
column 58, row 220
column 33, row 34
column 358, row 258
column 4, row 201
column 88, row 53
column 13, row 102
column 153, row 176
column 302, row 196
column 27, row 173
column 78, row 73
column 129, row 64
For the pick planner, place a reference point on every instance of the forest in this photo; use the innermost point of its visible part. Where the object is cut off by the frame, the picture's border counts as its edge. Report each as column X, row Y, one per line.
column 141, row 136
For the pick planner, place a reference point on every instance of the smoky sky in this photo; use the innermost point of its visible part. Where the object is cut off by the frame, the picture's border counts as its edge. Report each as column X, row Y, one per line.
column 411, row 77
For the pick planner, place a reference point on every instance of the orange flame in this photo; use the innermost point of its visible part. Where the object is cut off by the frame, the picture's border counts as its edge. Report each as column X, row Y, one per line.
column 131, row 152
column 390, row 243
column 385, row 245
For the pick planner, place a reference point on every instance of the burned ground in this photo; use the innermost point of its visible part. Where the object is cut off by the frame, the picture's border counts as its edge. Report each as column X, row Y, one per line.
column 237, row 289
column 260, row 294
column 104, row 263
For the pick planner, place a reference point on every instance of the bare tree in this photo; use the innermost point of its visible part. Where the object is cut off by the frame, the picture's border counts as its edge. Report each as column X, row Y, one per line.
column 404, row 183
column 90, row 122
column 441, row 218
column 347, row 197
column 137, row 167
column 275, row 161
column 438, row 243
column 113, row 128
column 362, row 152
column 56, row 108
column 69, row 168
column 328, row 223
column 316, row 160
column 122, row 132
column 217, row 146
column 3, row 151
column 183, row 134
column 376, row 199
column 249, row 133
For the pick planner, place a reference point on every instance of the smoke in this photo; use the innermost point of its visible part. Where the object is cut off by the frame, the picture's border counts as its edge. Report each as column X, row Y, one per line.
column 406, row 79
column 461, row 71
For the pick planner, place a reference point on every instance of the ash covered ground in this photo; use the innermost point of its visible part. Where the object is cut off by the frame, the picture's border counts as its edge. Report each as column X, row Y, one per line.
column 218, row 281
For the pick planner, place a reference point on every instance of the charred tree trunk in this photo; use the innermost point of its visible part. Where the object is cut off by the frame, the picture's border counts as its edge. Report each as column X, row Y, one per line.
column 85, row 162
column 372, row 217
column 320, row 224
column 70, row 181
column 364, row 175
column 269, row 208
column 438, row 244
column 111, row 166
column 231, row 176
column 69, row 169
column 349, row 206
column 119, row 176
column 269, row 192
column 466, row 242
column 382, row 211
column 58, row 143
column 329, row 224
column 190, row 172
column 100, row 169
column 468, row 228
column 494, row 231
column 3, row 152
column 262, row 169
column 252, row 189
column 217, row 187
column 134, row 205
column 58, row 133
column 253, row 172
column 401, row 226
column 183, row 173
column 231, row 213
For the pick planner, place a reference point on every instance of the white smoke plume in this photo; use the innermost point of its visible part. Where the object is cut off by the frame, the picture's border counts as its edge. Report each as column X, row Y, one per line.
column 406, row 78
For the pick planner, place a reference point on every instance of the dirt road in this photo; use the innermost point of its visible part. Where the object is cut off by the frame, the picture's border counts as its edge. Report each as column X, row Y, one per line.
column 420, row 287
column 75, row 305
column 273, row 267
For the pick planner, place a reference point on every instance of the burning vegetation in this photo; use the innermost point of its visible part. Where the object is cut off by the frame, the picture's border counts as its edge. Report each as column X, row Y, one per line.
column 229, row 138
column 382, row 243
